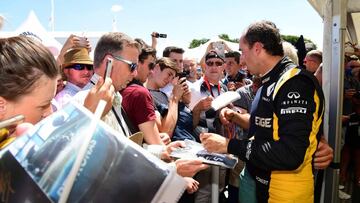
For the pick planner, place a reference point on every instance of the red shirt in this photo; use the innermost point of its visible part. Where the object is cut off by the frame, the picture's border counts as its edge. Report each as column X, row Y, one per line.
column 138, row 105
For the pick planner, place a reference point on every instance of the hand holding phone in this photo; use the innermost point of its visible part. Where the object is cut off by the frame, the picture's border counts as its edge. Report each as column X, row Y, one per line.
column 8, row 126
column 158, row 35
column 83, row 42
column 219, row 46
column 184, row 74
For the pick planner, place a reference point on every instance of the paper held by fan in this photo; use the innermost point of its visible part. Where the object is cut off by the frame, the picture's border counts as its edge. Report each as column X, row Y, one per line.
column 224, row 99
column 46, row 154
column 195, row 150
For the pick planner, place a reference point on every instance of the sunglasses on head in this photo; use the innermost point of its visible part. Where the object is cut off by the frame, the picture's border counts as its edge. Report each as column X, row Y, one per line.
column 81, row 67
column 131, row 64
column 211, row 63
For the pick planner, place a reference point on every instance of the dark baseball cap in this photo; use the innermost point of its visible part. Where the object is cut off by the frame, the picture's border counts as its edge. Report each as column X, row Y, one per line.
column 214, row 54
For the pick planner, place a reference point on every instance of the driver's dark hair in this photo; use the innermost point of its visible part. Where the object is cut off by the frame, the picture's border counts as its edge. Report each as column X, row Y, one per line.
column 266, row 33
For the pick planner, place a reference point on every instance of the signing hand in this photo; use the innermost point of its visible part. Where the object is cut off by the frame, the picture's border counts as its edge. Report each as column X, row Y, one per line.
column 226, row 116
column 214, row 143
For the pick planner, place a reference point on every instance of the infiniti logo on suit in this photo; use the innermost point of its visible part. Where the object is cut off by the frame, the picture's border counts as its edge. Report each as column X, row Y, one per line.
column 293, row 95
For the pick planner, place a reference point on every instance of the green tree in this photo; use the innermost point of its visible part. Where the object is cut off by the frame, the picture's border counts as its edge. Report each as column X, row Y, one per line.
column 197, row 42
column 292, row 39
column 227, row 38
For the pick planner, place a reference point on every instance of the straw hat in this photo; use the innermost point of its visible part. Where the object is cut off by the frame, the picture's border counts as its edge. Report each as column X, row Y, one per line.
column 77, row 56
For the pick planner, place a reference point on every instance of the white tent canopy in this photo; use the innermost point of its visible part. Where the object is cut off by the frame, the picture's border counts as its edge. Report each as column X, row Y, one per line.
column 33, row 28
column 352, row 6
column 353, row 17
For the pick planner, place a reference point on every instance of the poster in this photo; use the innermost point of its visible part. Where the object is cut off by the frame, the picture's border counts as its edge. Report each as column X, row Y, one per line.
column 114, row 168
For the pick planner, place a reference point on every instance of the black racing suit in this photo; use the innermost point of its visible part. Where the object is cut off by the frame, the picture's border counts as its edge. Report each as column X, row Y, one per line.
column 286, row 118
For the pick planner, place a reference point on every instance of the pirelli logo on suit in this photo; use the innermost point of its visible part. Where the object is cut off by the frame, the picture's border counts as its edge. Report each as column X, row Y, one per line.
column 292, row 110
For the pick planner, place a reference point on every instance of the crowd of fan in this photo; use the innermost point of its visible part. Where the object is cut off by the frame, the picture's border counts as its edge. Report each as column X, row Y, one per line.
column 167, row 98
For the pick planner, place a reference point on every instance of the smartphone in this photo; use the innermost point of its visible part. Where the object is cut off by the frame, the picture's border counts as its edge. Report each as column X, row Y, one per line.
column 157, row 35
column 83, row 42
column 8, row 126
column 219, row 46
column 108, row 69
column 184, row 74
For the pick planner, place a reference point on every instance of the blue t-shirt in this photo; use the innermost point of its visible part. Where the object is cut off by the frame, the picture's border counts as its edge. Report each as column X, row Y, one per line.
column 184, row 125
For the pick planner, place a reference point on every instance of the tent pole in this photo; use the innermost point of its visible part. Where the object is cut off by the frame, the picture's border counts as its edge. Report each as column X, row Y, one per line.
column 335, row 24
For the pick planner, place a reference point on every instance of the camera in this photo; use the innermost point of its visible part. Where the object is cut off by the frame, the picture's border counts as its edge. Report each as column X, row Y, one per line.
column 184, row 74
column 157, row 35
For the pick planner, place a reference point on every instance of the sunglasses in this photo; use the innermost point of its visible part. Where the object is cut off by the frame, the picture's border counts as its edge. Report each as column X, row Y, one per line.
column 211, row 63
column 81, row 67
column 132, row 65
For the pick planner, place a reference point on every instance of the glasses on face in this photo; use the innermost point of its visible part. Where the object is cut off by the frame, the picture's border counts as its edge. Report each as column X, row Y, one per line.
column 131, row 64
column 81, row 67
column 211, row 63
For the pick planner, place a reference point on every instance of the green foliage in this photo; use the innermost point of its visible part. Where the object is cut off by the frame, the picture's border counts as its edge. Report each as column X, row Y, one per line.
column 197, row 42
column 292, row 39
column 227, row 38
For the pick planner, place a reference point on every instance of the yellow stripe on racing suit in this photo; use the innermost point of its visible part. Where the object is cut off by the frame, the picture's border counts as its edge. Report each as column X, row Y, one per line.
column 299, row 183
column 287, row 120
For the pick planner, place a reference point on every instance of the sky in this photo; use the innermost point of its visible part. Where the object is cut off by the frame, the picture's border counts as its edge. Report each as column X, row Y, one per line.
column 181, row 20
